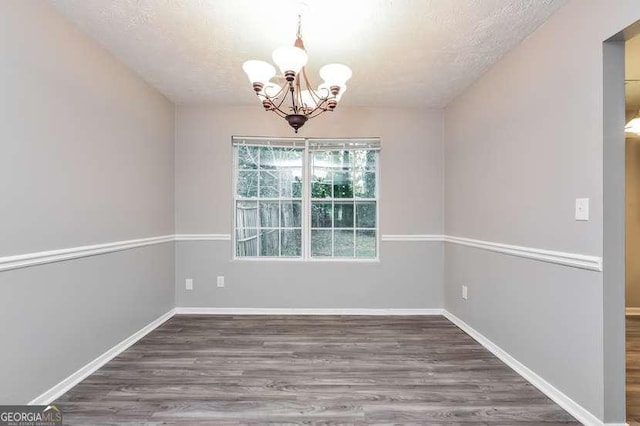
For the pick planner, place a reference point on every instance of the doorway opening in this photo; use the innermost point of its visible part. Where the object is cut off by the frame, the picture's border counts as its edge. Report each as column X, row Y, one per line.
column 632, row 228
column 617, row 401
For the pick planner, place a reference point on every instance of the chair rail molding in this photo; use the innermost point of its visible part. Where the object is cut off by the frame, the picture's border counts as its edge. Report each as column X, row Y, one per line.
column 575, row 260
column 203, row 237
column 50, row 256
column 413, row 237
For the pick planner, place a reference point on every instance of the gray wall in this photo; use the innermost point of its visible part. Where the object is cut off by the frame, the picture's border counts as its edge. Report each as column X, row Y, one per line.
column 520, row 145
column 87, row 158
column 409, row 274
column 58, row 317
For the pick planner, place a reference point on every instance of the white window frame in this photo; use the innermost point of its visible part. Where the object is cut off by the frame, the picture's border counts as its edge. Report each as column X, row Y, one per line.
column 339, row 145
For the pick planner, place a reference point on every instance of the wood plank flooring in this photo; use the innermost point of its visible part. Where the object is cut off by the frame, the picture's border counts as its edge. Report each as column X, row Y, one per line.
column 633, row 370
column 210, row 370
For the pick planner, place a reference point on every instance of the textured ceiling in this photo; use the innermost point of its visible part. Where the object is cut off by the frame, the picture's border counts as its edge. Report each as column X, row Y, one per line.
column 414, row 53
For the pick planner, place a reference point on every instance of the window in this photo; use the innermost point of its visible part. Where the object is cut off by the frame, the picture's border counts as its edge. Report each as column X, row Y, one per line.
column 306, row 198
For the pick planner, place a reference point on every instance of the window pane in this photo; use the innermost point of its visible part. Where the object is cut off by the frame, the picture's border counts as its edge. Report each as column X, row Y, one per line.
column 372, row 160
column 321, row 215
column 268, row 158
column 247, row 185
column 291, row 240
column 359, row 159
column 291, row 183
column 365, row 185
column 366, row 243
column 269, row 242
column 269, row 212
column 291, row 214
column 344, row 243
column 343, row 215
column 320, row 243
column 321, row 159
column 342, row 159
column 247, row 157
column 246, row 214
column 321, row 183
column 321, row 190
column 365, row 215
column 247, row 242
column 342, row 185
column 269, row 185
column 280, row 158
column 290, row 157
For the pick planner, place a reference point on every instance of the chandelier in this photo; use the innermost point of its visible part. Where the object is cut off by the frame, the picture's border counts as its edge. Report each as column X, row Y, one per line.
column 295, row 100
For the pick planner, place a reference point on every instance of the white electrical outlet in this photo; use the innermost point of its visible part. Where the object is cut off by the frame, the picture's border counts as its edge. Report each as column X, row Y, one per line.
column 582, row 209
column 188, row 284
column 465, row 292
column 220, row 281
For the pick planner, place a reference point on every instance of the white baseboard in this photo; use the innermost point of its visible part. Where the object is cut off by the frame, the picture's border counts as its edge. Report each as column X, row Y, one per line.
column 61, row 388
column 311, row 311
column 569, row 405
column 632, row 311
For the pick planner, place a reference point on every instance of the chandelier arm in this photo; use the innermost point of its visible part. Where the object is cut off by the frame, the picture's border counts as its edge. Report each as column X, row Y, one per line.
column 276, row 109
column 279, row 113
column 273, row 100
column 320, row 107
column 280, row 92
column 315, row 112
column 312, row 92
column 283, row 98
column 319, row 101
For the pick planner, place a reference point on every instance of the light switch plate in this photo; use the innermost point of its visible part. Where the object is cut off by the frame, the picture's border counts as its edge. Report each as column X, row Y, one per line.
column 582, row 209
column 188, row 284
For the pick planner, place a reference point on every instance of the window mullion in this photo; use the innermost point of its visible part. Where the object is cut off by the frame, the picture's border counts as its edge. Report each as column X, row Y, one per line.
column 259, row 205
column 234, row 236
column 306, row 203
column 279, row 224
column 355, row 224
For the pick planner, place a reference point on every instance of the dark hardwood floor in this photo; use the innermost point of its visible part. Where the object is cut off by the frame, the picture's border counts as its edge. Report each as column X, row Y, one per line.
column 209, row 370
column 633, row 370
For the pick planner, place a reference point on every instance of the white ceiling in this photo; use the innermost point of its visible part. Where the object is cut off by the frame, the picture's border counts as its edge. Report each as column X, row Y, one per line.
column 404, row 53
